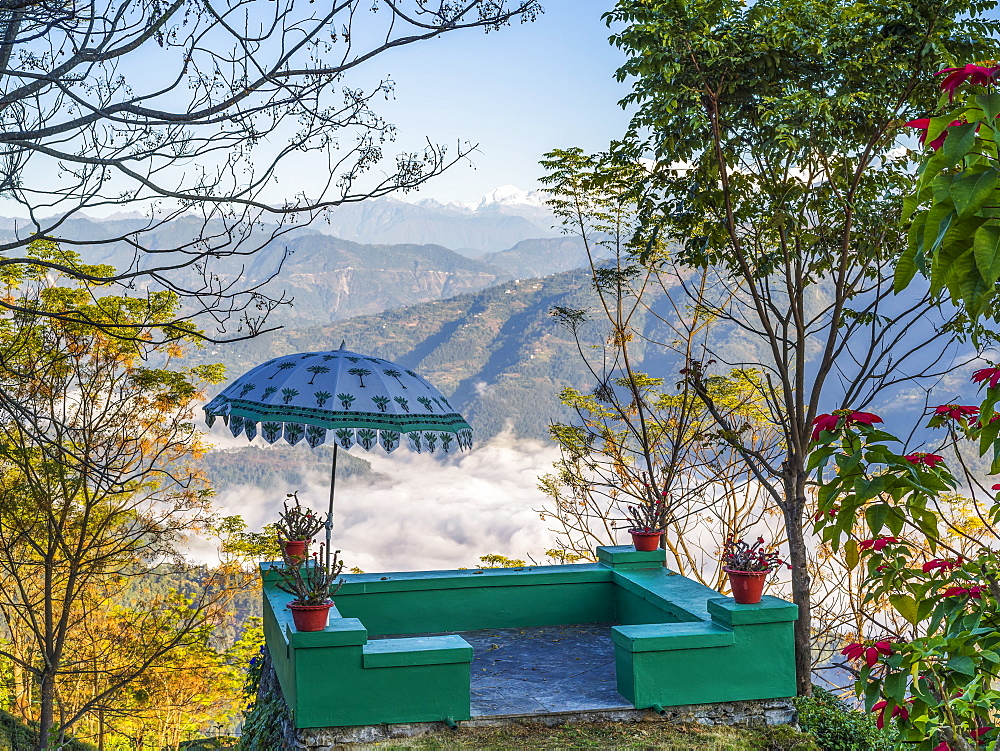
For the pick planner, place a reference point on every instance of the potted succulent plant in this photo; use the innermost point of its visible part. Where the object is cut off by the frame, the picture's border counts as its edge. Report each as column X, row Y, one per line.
column 313, row 584
column 748, row 565
column 296, row 527
column 646, row 522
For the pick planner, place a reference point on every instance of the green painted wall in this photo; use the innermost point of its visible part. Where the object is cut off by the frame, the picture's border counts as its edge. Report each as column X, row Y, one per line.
column 277, row 644
column 634, row 608
column 679, row 642
column 334, row 689
column 473, row 608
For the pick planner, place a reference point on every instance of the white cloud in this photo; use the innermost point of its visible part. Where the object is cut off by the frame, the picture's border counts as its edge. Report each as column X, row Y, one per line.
column 430, row 512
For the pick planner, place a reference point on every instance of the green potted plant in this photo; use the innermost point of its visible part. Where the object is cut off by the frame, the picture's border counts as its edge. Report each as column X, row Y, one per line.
column 747, row 566
column 646, row 522
column 313, row 585
column 296, row 527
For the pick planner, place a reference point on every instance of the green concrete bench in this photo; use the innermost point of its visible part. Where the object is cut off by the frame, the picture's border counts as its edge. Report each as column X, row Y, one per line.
column 744, row 652
column 421, row 650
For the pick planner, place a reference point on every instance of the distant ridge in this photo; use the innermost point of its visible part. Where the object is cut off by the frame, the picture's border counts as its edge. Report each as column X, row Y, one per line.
column 332, row 278
column 497, row 354
column 501, row 219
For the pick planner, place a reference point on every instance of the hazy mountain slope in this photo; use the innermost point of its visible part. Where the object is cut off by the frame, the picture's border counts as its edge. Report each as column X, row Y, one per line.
column 497, row 354
column 332, row 279
column 542, row 256
column 327, row 277
column 278, row 465
column 493, row 225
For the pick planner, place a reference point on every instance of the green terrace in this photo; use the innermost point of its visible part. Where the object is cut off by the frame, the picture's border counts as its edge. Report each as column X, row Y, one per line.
column 391, row 652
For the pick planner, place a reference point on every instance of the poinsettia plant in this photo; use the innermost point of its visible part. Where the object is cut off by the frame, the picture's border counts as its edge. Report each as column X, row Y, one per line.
column 894, row 514
column 954, row 227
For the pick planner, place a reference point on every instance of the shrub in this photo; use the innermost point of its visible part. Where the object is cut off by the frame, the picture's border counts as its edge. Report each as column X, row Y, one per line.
column 839, row 727
column 16, row 735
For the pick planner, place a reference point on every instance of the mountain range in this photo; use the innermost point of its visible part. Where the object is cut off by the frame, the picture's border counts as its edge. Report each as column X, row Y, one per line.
column 331, row 278
column 497, row 354
column 501, row 219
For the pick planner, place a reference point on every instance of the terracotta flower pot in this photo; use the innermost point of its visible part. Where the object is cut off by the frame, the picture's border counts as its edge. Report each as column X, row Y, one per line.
column 747, row 586
column 645, row 541
column 310, row 617
column 295, row 551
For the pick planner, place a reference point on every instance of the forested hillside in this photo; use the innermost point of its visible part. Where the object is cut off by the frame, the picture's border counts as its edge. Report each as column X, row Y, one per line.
column 279, row 464
column 498, row 354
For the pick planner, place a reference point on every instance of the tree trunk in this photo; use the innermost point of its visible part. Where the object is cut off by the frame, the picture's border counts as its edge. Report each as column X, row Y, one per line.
column 47, row 695
column 798, row 557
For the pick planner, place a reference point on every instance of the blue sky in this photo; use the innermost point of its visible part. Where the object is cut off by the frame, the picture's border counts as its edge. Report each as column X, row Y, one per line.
column 518, row 93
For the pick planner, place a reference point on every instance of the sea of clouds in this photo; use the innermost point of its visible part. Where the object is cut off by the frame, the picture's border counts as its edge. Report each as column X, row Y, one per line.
column 421, row 511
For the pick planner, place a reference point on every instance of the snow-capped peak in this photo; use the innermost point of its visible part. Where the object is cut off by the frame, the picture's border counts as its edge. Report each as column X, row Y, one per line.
column 511, row 195
column 504, row 196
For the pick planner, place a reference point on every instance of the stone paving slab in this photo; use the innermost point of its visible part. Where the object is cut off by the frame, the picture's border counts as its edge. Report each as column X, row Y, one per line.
column 541, row 670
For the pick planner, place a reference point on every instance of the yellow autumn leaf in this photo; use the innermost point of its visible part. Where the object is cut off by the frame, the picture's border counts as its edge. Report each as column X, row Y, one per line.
column 851, row 553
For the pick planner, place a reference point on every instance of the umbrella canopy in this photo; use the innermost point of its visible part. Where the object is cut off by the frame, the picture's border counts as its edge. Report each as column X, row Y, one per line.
column 364, row 400
column 361, row 399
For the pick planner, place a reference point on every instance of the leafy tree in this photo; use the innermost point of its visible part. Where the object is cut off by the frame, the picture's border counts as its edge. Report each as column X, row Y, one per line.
column 177, row 695
column 192, row 113
column 923, row 547
column 637, row 439
column 96, row 488
column 768, row 132
column 954, row 234
column 930, row 554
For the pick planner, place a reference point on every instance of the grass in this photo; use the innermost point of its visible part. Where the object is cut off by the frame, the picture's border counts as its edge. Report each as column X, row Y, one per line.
column 611, row 735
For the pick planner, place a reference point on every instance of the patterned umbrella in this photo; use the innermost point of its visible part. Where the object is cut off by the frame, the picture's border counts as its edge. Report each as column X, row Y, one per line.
column 364, row 400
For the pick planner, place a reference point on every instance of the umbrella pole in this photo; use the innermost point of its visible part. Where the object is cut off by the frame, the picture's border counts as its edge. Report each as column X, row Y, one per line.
column 329, row 515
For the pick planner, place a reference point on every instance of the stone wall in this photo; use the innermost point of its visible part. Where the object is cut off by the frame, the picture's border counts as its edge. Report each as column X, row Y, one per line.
column 751, row 714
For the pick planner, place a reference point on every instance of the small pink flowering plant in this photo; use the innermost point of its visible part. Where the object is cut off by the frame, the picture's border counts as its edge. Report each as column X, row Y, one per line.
column 647, row 516
column 739, row 555
column 315, row 583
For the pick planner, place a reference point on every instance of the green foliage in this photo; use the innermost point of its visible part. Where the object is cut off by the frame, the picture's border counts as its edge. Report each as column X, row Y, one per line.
column 97, row 488
column 605, row 449
column 266, row 709
column 495, row 560
column 637, row 736
column 838, row 727
column 931, row 556
column 781, row 113
column 15, row 735
column 954, row 222
column 236, row 541
column 209, row 744
column 767, row 133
